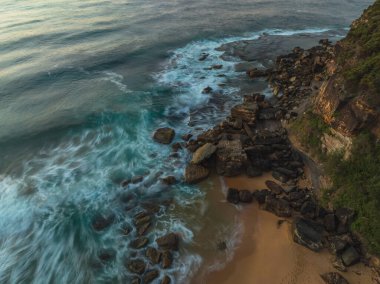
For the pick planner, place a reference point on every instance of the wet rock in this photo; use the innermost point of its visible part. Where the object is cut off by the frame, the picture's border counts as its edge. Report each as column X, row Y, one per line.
column 166, row 280
column 203, row 153
column 207, row 90
column 350, row 256
column 186, row 137
column 278, row 206
column 142, row 219
column 233, row 196
column 107, row 255
column 139, row 243
column 167, row 259
column 307, row 233
column 168, row 242
column 164, row 135
column 101, row 222
column 329, row 222
column 137, row 179
column 334, row 278
column 137, row 266
column 255, row 73
column 245, row 196
column 176, row 147
column 274, row 187
column 217, row 66
column 153, row 255
column 169, row 180
column 221, row 245
column 150, row 276
column 203, row 56
column 195, row 173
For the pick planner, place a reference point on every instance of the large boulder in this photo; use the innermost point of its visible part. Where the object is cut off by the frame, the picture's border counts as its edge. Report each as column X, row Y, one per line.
column 150, row 276
column 278, row 206
column 164, row 135
column 350, row 256
column 203, row 153
column 195, row 173
column 153, row 255
column 274, row 187
column 233, row 196
column 138, row 243
column 230, row 158
column 333, row 278
column 168, row 242
column 307, row 233
column 245, row 196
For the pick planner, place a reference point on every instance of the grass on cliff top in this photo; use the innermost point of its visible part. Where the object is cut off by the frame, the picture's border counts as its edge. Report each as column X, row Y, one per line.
column 356, row 184
column 360, row 55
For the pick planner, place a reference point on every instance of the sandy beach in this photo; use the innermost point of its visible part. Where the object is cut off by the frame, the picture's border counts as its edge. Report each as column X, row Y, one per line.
column 267, row 253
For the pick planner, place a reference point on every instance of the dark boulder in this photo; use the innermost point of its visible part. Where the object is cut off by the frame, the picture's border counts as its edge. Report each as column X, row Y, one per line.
column 278, row 206
column 150, row 276
column 169, row 180
column 333, row 278
column 245, row 196
column 307, row 233
column 230, row 158
column 166, row 280
column 138, row 243
column 101, row 222
column 207, row 90
column 167, row 259
column 153, row 255
column 308, row 209
column 137, row 266
column 329, row 222
column 274, row 187
column 280, row 176
column 261, row 195
column 350, row 256
column 254, row 172
column 168, row 242
column 233, row 196
column 164, row 135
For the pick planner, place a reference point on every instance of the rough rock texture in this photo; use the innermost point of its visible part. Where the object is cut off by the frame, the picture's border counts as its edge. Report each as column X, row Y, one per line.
column 168, row 242
column 307, row 233
column 195, row 173
column 164, row 135
column 203, row 153
column 230, row 157
column 333, row 278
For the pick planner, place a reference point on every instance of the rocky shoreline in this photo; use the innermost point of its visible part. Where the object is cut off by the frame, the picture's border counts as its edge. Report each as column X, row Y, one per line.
column 253, row 140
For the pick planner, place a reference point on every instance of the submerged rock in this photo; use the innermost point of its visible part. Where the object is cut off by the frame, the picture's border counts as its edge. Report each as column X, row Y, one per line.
column 153, row 255
column 150, row 276
column 168, row 242
column 166, row 280
column 137, row 266
column 164, row 135
column 167, row 259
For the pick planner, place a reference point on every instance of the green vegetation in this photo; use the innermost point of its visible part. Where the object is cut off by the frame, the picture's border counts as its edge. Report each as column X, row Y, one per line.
column 356, row 184
column 309, row 129
column 360, row 53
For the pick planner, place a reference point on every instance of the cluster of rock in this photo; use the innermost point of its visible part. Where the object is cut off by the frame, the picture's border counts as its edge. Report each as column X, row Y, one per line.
column 250, row 141
column 148, row 258
column 295, row 75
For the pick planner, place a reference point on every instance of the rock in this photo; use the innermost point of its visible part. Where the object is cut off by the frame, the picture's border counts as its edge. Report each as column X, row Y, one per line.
column 186, row 137
column 308, row 209
column 137, row 266
column 338, row 264
column 233, row 196
column 230, row 158
column 203, row 56
column 153, row 255
column 137, row 179
column 166, row 280
column 217, row 66
column 329, row 221
column 195, row 173
column 207, row 90
column 167, row 259
column 334, row 278
column 135, row 280
column 107, row 255
column 279, row 176
column 169, row 180
column 254, row 172
column 176, row 147
column 274, row 187
column 139, row 243
column 150, row 276
column 203, row 153
column 168, row 242
column 296, row 195
column 101, row 222
column 246, row 112
column 278, row 206
column 164, row 135
column 245, row 196
column 345, row 216
column 142, row 219
column 307, row 233
column 255, row 73
column 337, row 244
column 350, row 256
column 221, row 245
column 261, row 195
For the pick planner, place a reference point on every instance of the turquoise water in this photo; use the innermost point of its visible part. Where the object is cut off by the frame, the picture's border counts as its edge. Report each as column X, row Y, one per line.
column 83, row 84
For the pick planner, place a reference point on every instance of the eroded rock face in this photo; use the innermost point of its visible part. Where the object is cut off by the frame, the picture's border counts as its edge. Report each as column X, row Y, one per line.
column 333, row 278
column 195, row 173
column 164, row 135
column 307, row 233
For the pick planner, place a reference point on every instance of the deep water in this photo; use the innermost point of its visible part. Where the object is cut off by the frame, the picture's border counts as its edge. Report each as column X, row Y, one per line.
column 83, row 84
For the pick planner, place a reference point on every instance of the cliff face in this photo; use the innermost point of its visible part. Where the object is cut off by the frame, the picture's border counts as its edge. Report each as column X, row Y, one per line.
column 349, row 101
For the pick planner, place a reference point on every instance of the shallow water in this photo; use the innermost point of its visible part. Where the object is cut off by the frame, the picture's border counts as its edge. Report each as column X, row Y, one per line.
column 83, row 84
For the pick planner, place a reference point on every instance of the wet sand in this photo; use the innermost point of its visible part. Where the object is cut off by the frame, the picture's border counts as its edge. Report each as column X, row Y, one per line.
column 267, row 253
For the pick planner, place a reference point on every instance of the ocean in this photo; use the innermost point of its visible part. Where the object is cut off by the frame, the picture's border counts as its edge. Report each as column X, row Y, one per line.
column 83, row 85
